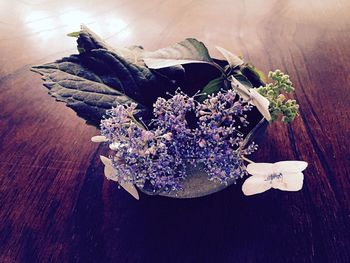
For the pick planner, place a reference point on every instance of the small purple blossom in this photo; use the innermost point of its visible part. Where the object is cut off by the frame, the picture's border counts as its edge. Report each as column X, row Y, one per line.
column 157, row 157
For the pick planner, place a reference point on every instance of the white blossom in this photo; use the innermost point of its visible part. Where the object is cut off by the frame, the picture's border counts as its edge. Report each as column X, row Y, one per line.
column 285, row 175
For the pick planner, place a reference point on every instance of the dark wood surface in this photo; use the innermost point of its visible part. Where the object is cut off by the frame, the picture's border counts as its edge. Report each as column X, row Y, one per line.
column 55, row 204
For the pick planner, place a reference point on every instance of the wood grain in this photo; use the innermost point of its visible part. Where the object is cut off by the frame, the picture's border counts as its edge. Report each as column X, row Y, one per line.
column 55, row 205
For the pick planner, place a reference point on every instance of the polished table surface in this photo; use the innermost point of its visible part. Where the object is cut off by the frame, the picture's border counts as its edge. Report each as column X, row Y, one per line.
column 56, row 206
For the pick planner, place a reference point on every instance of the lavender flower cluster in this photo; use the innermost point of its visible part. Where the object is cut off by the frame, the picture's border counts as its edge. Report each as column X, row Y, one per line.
column 157, row 157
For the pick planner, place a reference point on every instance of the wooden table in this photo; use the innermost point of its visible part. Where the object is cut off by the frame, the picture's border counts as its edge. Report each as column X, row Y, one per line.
column 55, row 204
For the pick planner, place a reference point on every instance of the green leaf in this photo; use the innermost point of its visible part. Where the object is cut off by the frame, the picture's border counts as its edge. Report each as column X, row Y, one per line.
column 88, row 41
column 101, row 77
column 212, row 87
column 74, row 34
column 256, row 76
column 188, row 51
column 233, row 60
column 82, row 89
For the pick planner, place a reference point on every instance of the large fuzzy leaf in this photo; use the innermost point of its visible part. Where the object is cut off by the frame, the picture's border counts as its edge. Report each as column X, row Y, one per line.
column 81, row 89
column 101, row 77
column 88, row 41
column 185, row 52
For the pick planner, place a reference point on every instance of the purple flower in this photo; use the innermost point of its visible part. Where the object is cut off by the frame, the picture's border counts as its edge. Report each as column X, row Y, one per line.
column 157, row 157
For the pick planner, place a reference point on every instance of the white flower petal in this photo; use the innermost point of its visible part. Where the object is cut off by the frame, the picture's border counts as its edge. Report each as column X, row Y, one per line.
column 110, row 173
column 114, row 146
column 261, row 103
column 232, row 59
column 291, row 182
column 105, row 160
column 285, row 175
column 260, row 169
column 241, row 90
column 286, row 167
column 99, row 138
column 131, row 189
column 253, row 97
column 255, row 185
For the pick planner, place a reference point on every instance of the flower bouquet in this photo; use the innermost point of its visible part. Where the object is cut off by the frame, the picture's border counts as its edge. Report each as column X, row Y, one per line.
column 177, row 122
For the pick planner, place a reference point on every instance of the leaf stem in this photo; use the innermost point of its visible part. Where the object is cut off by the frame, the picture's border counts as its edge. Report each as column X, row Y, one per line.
column 247, row 160
column 218, row 67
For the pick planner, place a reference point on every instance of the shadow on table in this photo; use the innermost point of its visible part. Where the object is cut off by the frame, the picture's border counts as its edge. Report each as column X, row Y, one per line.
column 110, row 226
